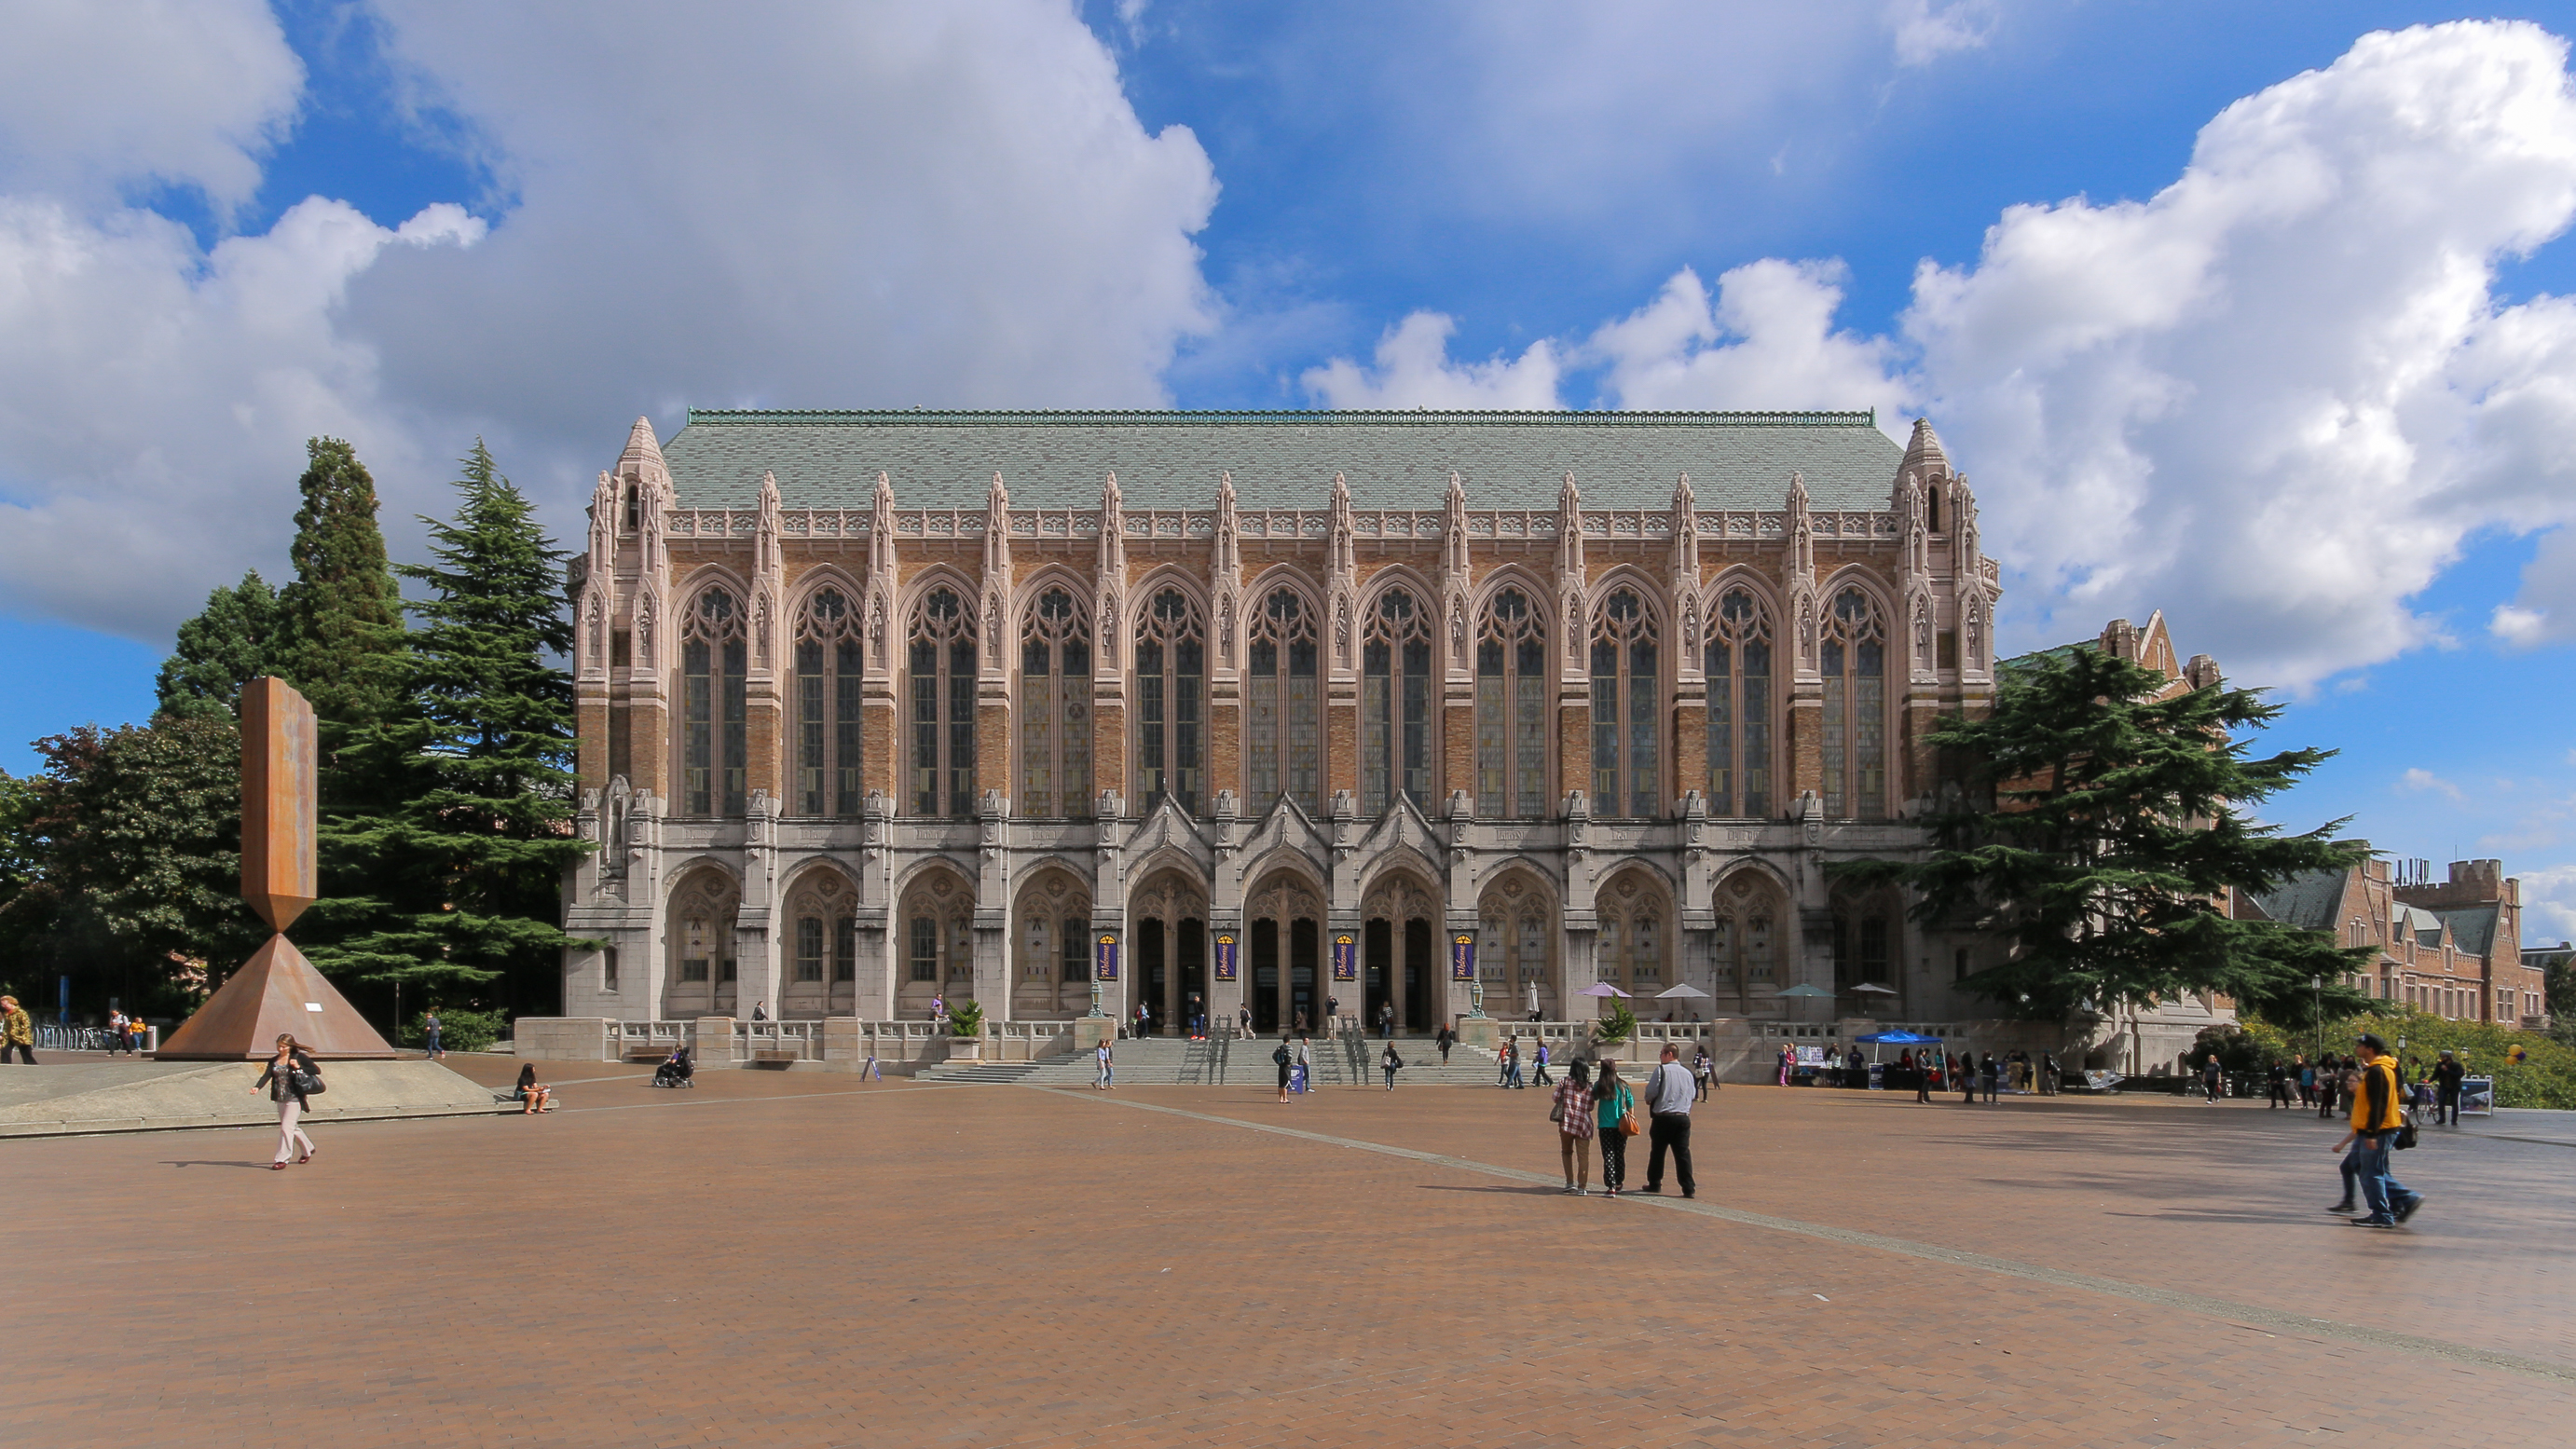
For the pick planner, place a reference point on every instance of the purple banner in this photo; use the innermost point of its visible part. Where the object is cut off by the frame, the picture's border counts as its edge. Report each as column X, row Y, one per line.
column 1225, row 949
column 1346, row 958
column 1462, row 957
column 1104, row 958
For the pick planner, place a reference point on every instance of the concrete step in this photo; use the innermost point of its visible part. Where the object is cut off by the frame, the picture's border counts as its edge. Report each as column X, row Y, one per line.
column 1345, row 1063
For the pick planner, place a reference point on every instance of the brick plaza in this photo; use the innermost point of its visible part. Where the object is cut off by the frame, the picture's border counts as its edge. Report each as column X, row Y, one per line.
column 801, row 1259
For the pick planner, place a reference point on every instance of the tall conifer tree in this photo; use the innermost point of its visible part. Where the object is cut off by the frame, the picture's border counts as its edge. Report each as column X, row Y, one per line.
column 476, row 852
column 343, row 613
column 230, row 642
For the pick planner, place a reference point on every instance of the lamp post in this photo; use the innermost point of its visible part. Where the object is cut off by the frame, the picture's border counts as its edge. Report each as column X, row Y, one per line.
column 2317, row 1016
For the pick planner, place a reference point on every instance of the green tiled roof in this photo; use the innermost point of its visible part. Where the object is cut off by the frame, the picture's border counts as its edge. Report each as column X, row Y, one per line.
column 1282, row 459
column 2308, row 899
column 2473, row 928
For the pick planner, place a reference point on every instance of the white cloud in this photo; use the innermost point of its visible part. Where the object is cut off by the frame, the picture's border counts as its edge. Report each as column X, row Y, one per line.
column 96, row 95
column 1414, row 371
column 1925, row 32
column 154, row 399
column 1766, row 341
column 844, row 204
column 2418, row 780
column 2548, row 904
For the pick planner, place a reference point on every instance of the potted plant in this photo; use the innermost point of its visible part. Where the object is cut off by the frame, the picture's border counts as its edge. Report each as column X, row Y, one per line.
column 966, row 1032
column 1615, row 1028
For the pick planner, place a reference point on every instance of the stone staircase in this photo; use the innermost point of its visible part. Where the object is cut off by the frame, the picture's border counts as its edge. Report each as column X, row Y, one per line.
column 1346, row 1063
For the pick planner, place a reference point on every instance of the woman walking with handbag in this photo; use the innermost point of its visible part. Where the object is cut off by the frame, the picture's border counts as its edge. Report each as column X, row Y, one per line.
column 1573, row 1118
column 291, row 1078
column 1614, row 1112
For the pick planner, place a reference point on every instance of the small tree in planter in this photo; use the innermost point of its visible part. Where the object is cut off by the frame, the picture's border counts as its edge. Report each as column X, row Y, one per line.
column 1616, row 1028
column 966, row 1029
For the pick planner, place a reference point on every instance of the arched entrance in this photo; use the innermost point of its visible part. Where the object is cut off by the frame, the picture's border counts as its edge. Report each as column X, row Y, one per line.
column 1635, row 947
column 1517, row 950
column 821, row 976
column 700, row 978
column 1051, row 977
column 1746, row 948
column 1397, row 965
column 937, row 944
column 1168, row 922
column 1287, row 932
column 1868, row 960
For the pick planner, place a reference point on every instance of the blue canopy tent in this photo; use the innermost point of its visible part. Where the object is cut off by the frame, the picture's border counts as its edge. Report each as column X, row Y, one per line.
column 1900, row 1038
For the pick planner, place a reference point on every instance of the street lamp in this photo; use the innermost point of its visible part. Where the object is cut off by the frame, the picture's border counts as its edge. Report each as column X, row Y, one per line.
column 2317, row 1014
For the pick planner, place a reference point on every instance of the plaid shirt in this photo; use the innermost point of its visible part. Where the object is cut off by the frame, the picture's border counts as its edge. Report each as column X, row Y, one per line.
column 1574, row 1110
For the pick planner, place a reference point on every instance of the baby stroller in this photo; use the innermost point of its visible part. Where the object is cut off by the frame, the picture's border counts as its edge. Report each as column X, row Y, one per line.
column 675, row 1072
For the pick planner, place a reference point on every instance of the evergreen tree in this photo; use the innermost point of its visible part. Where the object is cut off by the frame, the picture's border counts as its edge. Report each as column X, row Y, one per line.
column 233, row 640
column 2110, row 836
column 476, row 852
column 343, row 613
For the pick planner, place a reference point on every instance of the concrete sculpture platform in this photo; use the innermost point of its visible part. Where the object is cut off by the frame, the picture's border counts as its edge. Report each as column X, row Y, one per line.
column 71, row 1099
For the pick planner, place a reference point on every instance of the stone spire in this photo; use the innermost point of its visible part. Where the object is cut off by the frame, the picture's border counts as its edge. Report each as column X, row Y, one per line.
column 997, row 577
column 1109, row 581
column 881, row 574
column 1456, row 574
column 1569, row 571
column 768, row 574
column 1341, row 567
column 642, row 457
column 1685, row 531
column 1802, row 574
column 1225, row 572
column 1923, row 455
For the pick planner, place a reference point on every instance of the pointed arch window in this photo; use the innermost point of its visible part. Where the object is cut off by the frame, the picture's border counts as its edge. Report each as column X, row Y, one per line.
column 943, row 705
column 1395, row 703
column 1282, row 751
column 1171, row 700
column 712, row 747
column 1739, row 707
column 1511, row 710
column 828, row 674
column 1625, row 697
column 1630, row 951
column 1055, row 708
column 1853, row 659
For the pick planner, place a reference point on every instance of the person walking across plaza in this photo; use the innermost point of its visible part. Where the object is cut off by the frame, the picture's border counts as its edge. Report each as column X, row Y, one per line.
column 1390, row 1064
column 1244, row 1017
column 2052, row 1077
column 289, row 1077
column 2277, row 1082
column 115, row 1031
column 1106, row 1060
column 1572, row 1115
column 1540, row 1078
column 1989, row 1069
column 1386, row 1021
column 1445, row 1040
column 2213, row 1081
column 429, row 1032
column 2447, row 1076
column 1611, row 1101
column 1965, row 1074
column 1281, row 1059
column 2378, row 1114
column 1703, row 1072
column 1923, row 1071
column 1668, row 1104
column 1512, row 1066
column 17, row 1032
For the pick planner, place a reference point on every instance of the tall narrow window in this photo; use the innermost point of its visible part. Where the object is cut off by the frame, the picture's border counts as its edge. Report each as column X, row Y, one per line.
column 1625, row 698
column 1739, row 707
column 1282, row 750
column 925, row 949
column 943, row 706
column 1395, row 704
column 828, row 673
column 1511, row 710
column 1171, row 700
column 809, row 948
column 1630, row 946
column 1853, row 660
column 712, row 748
column 1055, row 708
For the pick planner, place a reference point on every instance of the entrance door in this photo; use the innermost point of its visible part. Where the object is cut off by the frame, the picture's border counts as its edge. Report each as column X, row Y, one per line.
column 1265, row 976
column 1377, row 971
column 1305, row 944
column 1151, row 975
column 1191, row 967
column 1419, row 974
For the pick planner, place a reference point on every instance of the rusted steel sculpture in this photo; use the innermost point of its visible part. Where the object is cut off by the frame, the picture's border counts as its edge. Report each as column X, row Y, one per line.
column 277, row 990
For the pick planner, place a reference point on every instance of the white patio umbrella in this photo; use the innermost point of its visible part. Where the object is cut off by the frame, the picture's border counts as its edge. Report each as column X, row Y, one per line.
column 1684, row 990
column 1601, row 988
column 1874, row 989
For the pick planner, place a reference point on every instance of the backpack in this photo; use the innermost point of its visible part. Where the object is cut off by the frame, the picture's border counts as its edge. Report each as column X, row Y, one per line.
column 1279, row 1057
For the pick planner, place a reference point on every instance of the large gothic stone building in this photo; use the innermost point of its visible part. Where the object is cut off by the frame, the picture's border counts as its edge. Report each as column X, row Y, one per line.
column 1454, row 713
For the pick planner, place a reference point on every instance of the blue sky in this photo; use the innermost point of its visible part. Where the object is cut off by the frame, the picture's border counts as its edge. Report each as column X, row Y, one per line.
column 2296, row 374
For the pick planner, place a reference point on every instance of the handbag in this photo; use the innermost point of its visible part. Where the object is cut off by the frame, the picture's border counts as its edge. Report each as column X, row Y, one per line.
column 305, row 1084
column 1629, row 1126
column 1556, row 1114
column 2404, row 1137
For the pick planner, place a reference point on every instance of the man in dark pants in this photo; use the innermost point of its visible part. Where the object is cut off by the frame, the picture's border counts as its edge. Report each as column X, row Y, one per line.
column 2447, row 1076
column 1669, row 1094
column 2378, row 1113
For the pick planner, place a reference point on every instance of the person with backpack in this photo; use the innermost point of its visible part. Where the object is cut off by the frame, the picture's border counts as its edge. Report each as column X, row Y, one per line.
column 2379, row 1126
column 291, row 1079
column 1390, row 1064
column 1704, row 1072
column 1282, row 1059
column 1613, row 1109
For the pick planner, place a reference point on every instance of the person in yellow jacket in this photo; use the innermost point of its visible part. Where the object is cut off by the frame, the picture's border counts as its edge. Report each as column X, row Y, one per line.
column 17, row 1031
column 2378, row 1110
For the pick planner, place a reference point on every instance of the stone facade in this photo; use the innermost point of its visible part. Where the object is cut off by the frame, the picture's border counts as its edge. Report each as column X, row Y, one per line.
column 1446, row 714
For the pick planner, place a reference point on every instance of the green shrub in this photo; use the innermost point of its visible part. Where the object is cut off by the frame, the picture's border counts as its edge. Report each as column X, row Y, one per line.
column 1617, row 1027
column 459, row 1030
column 966, row 1020
column 2545, row 1077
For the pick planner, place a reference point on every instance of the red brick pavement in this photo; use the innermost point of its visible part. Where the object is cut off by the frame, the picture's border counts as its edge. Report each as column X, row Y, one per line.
column 800, row 1260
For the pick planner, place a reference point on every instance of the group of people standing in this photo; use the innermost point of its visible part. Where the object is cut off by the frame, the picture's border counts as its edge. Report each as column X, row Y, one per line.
column 2328, row 1083
column 1601, row 1107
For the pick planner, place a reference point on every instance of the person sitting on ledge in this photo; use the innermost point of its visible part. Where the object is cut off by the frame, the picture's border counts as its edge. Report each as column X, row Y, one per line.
column 532, row 1098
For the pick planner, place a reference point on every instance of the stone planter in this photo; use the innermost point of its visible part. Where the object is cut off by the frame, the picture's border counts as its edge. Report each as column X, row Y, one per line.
column 965, row 1048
